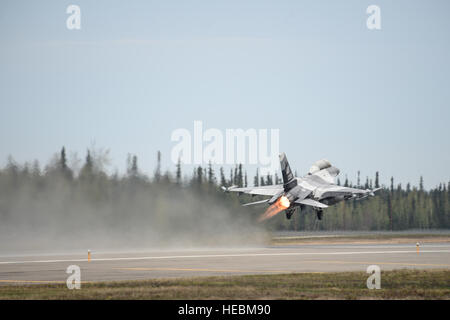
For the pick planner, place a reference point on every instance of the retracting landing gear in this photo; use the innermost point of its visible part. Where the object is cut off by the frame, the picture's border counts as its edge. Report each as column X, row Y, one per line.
column 319, row 213
column 289, row 213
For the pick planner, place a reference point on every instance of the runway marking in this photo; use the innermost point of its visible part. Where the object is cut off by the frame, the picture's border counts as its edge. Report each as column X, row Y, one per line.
column 374, row 242
column 202, row 270
column 37, row 281
column 237, row 255
column 367, row 246
column 381, row 263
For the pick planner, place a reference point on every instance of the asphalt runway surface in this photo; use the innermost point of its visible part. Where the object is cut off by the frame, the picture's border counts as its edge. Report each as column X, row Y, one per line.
column 234, row 261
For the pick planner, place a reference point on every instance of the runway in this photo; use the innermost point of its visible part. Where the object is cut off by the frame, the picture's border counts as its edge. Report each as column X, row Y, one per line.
column 232, row 261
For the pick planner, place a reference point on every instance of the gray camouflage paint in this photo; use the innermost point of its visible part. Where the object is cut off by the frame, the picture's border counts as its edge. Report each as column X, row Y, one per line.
column 317, row 189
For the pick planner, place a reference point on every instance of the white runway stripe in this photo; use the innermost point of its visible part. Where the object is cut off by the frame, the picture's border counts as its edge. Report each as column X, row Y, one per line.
column 228, row 255
column 423, row 246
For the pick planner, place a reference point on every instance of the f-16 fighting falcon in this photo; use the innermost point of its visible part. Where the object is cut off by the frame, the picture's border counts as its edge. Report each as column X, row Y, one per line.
column 317, row 189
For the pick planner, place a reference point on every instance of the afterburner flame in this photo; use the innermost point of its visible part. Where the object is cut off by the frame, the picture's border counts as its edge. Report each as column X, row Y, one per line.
column 284, row 201
column 281, row 204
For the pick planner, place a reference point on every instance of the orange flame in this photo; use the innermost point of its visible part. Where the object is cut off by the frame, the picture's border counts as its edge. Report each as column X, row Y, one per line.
column 281, row 204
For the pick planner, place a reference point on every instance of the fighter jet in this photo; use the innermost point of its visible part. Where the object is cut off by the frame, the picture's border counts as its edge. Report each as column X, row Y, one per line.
column 317, row 189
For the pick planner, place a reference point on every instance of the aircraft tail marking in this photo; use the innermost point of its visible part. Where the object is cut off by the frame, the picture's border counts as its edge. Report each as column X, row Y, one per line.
column 289, row 180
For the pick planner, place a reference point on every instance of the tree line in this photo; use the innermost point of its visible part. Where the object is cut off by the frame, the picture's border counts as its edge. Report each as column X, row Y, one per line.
column 394, row 208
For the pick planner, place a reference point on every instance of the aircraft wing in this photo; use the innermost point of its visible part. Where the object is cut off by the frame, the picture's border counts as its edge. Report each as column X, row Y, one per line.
column 360, row 191
column 261, row 191
column 335, row 191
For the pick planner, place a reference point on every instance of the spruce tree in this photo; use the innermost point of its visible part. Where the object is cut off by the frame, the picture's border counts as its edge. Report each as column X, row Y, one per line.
column 158, row 167
column 256, row 179
column 199, row 175
column 63, row 160
column 134, row 166
column 210, row 174
column 358, row 181
column 240, row 180
column 178, row 172
column 269, row 180
column 64, row 169
column 245, row 179
column 377, row 180
column 88, row 167
column 392, row 185
column 223, row 181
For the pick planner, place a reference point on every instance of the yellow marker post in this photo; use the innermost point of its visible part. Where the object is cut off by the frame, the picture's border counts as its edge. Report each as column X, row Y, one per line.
column 417, row 247
column 89, row 255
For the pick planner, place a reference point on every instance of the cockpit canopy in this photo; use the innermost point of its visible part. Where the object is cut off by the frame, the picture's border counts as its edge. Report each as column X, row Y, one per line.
column 319, row 165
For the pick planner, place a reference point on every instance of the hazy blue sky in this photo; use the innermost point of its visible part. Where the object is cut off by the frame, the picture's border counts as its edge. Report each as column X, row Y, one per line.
column 137, row 70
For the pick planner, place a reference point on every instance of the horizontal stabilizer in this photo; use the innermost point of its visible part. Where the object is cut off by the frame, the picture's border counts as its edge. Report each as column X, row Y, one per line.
column 312, row 203
column 228, row 189
column 256, row 202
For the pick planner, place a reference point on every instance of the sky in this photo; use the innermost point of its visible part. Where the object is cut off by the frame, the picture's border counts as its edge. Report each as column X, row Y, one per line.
column 368, row 100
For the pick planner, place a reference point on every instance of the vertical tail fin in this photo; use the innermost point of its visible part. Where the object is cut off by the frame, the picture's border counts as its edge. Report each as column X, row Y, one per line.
column 289, row 180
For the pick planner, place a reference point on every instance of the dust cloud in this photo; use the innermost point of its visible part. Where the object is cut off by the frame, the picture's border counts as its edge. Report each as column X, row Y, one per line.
column 57, row 213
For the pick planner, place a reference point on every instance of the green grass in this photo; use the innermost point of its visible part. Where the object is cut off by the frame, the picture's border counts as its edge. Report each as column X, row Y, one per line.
column 397, row 284
column 366, row 238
